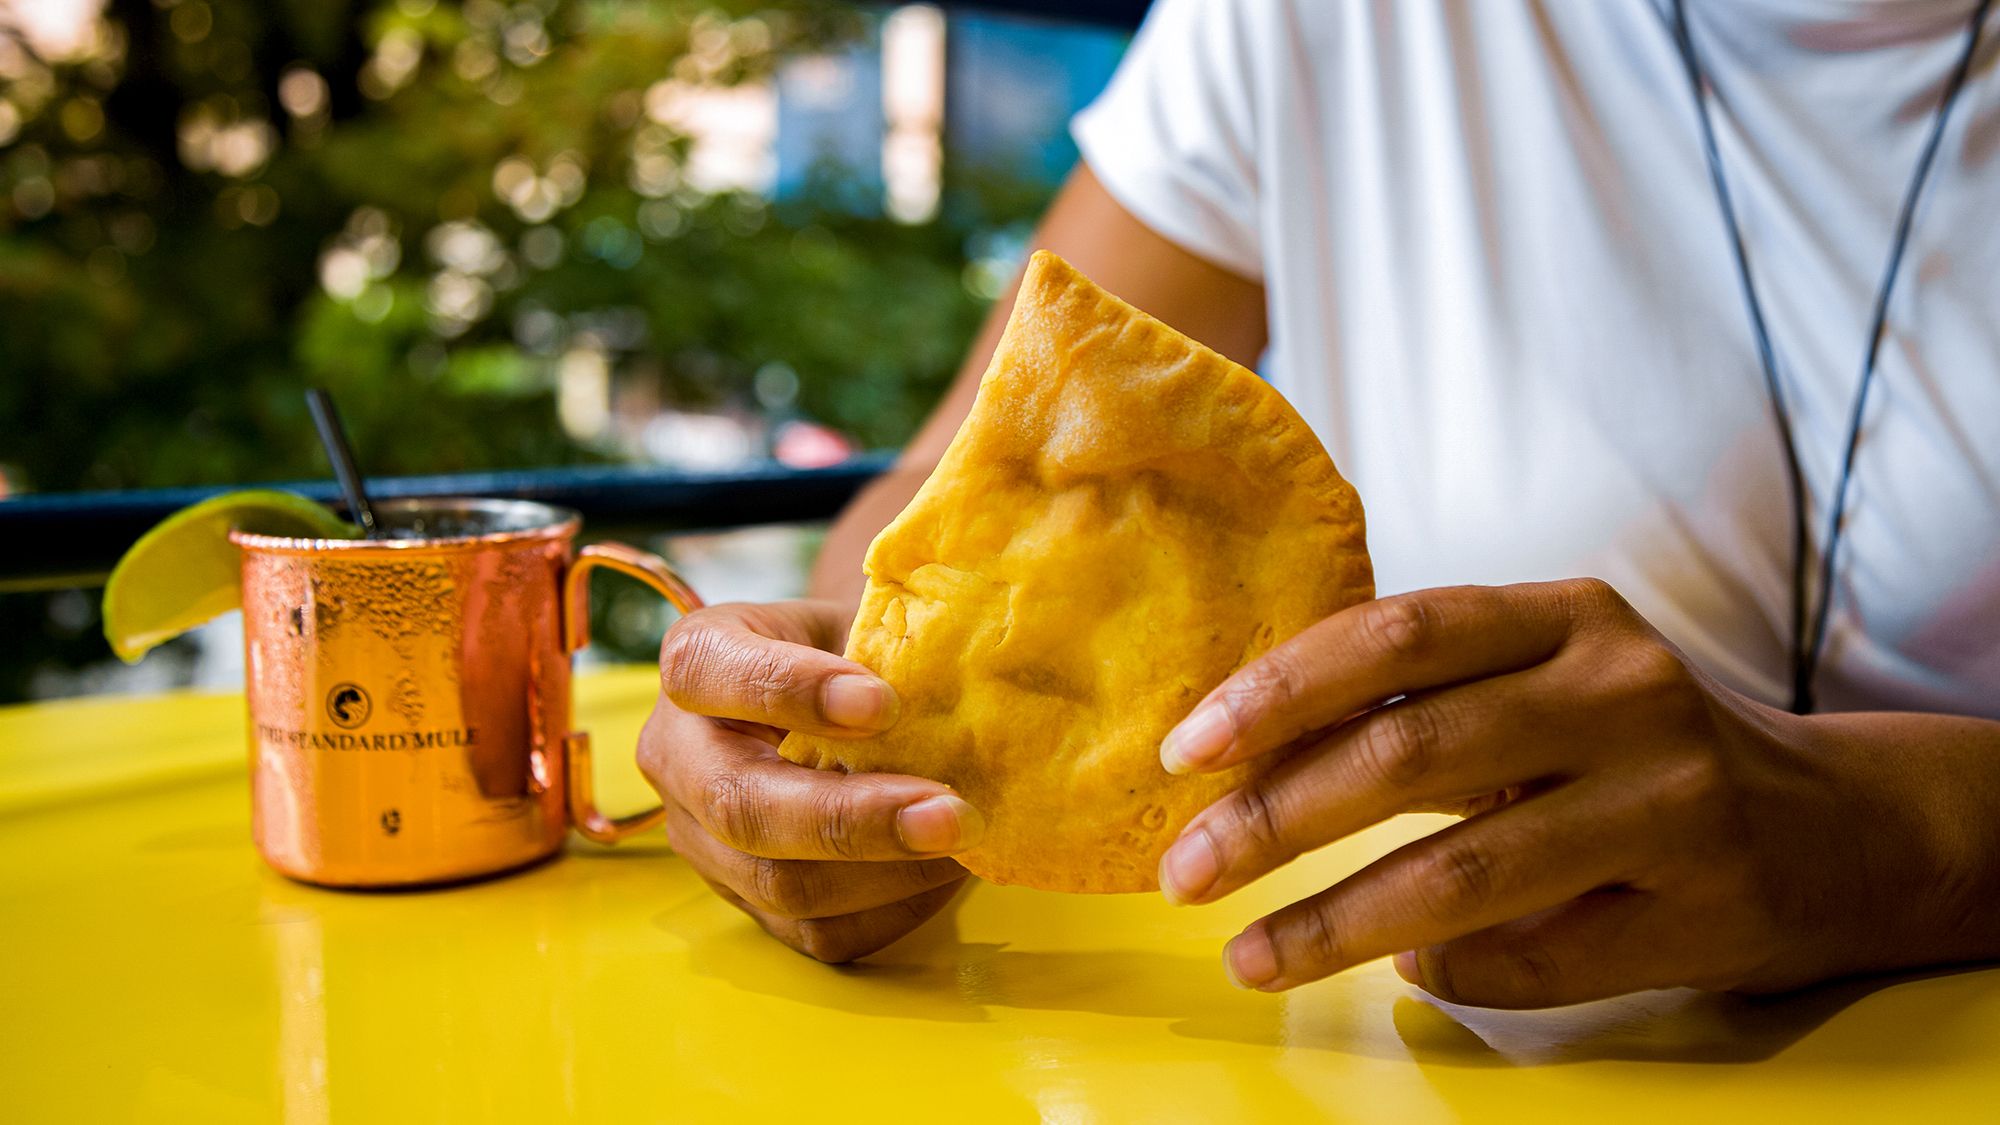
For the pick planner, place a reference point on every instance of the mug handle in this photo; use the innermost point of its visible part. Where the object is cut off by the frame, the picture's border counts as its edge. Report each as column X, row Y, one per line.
column 653, row 571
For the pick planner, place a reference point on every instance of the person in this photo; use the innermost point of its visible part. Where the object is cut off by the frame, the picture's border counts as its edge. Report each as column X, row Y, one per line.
column 1482, row 248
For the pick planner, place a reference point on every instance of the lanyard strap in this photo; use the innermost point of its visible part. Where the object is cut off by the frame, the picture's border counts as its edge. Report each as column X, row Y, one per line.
column 1809, row 624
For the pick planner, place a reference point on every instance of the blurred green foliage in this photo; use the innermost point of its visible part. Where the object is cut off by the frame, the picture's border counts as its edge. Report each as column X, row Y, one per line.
column 425, row 207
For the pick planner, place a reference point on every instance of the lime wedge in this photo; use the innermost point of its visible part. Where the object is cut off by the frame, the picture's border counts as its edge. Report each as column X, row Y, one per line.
column 186, row 571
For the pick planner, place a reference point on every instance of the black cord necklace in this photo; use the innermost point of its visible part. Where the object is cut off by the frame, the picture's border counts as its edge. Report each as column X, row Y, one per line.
column 1809, row 624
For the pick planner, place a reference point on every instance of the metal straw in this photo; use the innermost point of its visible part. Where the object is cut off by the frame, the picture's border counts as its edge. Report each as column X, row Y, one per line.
column 334, row 438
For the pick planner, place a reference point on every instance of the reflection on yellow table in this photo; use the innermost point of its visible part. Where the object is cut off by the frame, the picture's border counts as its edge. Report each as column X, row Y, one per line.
column 155, row 970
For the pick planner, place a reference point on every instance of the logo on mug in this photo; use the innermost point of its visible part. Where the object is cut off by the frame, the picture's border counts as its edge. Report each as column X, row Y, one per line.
column 348, row 706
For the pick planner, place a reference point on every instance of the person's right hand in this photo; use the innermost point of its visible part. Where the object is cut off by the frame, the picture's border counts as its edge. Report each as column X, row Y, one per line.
column 834, row 865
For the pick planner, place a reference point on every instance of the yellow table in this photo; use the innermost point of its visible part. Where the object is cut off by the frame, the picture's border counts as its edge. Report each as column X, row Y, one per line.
column 153, row 969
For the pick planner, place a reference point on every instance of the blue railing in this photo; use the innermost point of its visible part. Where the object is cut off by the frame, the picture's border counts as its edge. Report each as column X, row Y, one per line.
column 1115, row 13
column 72, row 538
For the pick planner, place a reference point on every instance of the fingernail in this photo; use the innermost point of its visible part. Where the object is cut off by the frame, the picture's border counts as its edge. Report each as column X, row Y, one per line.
column 1199, row 740
column 939, row 825
column 1408, row 969
column 852, row 700
column 1249, row 958
column 1188, row 869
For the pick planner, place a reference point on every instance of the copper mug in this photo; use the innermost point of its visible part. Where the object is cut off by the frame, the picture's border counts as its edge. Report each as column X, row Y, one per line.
column 410, row 694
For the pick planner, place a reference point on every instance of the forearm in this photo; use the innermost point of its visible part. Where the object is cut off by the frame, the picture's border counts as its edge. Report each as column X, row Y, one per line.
column 1938, row 777
column 836, row 574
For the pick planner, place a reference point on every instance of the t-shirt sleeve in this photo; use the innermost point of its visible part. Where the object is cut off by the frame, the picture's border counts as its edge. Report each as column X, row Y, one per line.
column 1173, row 137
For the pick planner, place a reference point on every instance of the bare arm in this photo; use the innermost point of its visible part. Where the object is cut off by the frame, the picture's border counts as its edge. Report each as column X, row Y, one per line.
column 1101, row 238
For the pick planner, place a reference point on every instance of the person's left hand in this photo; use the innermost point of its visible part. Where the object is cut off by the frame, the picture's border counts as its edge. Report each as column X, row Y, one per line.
column 1635, row 824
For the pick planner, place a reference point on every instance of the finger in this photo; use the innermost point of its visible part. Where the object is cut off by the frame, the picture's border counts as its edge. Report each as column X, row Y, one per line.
column 746, row 796
column 1507, row 864
column 761, row 664
column 798, row 888
column 1373, row 652
column 1445, row 748
column 850, row 936
column 1583, row 950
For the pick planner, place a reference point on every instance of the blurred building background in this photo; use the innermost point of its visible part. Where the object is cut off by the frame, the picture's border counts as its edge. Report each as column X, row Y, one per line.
column 504, row 235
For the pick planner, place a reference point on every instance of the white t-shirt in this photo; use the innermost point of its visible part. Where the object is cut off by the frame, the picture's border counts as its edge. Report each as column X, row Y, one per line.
column 1500, row 290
